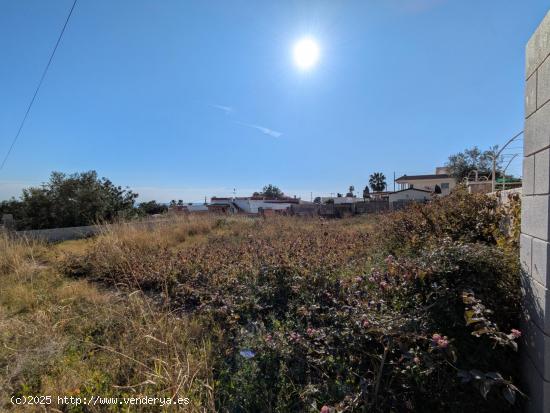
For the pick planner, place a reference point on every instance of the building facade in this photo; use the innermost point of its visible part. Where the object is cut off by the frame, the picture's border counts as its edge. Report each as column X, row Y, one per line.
column 441, row 179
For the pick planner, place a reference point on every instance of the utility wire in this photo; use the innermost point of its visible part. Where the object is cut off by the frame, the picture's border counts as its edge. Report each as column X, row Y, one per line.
column 38, row 87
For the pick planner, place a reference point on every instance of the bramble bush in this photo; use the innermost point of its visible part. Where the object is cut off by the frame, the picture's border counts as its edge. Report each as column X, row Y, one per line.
column 417, row 311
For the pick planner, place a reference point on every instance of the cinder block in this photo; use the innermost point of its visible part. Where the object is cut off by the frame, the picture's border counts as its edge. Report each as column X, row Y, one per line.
column 536, row 301
column 531, row 95
column 538, row 47
column 537, row 131
column 537, row 346
column 543, row 83
column 525, row 242
column 537, row 389
column 539, row 261
column 528, row 184
column 542, row 172
column 534, row 216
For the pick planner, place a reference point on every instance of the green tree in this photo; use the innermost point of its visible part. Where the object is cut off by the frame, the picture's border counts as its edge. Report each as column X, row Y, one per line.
column 71, row 200
column 366, row 192
column 377, row 182
column 151, row 208
column 350, row 191
column 464, row 164
column 271, row 191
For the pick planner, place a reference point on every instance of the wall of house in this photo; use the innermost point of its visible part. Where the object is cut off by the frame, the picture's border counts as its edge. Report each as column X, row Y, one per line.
column 429, row 184
column 410, row 195
column 535, row 222
column 251, row 205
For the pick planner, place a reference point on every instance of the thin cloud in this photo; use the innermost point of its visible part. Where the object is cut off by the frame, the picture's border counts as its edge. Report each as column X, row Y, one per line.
column 226, row 109
column 263, row 129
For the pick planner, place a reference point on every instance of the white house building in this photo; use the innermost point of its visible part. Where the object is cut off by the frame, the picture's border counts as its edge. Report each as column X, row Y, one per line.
column 408, row 195
column 441, row 178
column 251, row 205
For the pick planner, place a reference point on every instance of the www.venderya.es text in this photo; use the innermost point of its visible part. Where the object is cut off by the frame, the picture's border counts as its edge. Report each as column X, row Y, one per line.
column 99, row 401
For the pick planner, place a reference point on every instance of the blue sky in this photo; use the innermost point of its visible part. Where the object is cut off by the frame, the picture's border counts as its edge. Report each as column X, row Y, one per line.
column 186, row 99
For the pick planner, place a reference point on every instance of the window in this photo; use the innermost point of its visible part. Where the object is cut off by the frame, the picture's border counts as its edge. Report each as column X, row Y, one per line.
column 445, row 185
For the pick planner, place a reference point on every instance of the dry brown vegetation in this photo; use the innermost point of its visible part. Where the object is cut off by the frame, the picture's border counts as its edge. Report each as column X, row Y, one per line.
column 66, row 337
column 283, row 314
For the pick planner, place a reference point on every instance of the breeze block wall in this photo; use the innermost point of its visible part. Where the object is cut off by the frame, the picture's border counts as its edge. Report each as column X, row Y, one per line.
column 535, row 226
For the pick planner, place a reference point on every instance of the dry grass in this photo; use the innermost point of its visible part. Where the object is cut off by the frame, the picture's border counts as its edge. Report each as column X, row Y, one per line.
column 65, row 337
column 173, row 253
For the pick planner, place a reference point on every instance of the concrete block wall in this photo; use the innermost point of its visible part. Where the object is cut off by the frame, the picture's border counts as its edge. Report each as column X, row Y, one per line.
column 535, row 226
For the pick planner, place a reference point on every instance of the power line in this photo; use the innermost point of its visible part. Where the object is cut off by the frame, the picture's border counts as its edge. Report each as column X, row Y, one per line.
column 38, row 87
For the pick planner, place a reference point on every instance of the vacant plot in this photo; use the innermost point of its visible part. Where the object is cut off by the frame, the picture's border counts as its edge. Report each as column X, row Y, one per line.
column 411, row 311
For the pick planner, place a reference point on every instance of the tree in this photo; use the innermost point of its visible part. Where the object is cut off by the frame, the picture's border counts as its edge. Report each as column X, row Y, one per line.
column 366, row 192
column 377, row 182
column 464, row 164
column 12, row 206
column 71, row 200
column 151, row 208
column 350, row 191
column 271, row 191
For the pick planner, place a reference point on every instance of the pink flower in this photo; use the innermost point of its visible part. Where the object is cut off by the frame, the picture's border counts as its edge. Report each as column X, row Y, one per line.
column 416, row 360
column 310, row 331
column 325, row 409
column 383, row 285
column 516, row 333
column 268, row 338
column 294, row 336
column 366, row 323
column 443, row 343
column 440, row 341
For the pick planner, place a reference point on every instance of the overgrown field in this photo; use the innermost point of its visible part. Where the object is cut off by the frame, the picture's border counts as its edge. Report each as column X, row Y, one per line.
column 411, row 311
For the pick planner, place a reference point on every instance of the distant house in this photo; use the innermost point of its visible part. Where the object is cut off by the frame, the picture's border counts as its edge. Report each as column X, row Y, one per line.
column 189, row 208
column 251, row 205
column 441, row 178
column 223, row 206
column 405, row 196
column 382, row 195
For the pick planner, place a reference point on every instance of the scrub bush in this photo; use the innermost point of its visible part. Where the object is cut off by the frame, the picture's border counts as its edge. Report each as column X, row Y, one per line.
column 414, row 311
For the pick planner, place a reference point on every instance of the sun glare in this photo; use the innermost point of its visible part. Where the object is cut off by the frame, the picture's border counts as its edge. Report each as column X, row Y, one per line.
column 306, row 53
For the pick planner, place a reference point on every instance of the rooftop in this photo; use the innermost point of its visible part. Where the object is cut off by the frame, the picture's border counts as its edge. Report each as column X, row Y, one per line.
column 420, row 177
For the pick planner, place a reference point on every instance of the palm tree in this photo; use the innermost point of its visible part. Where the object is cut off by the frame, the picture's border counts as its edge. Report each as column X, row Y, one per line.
column 377, row 182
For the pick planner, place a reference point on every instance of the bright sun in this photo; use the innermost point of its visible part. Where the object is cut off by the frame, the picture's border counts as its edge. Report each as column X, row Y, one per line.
column 306, row 53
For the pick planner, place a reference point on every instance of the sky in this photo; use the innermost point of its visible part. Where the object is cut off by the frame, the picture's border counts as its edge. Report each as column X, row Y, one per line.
column 186, row 99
